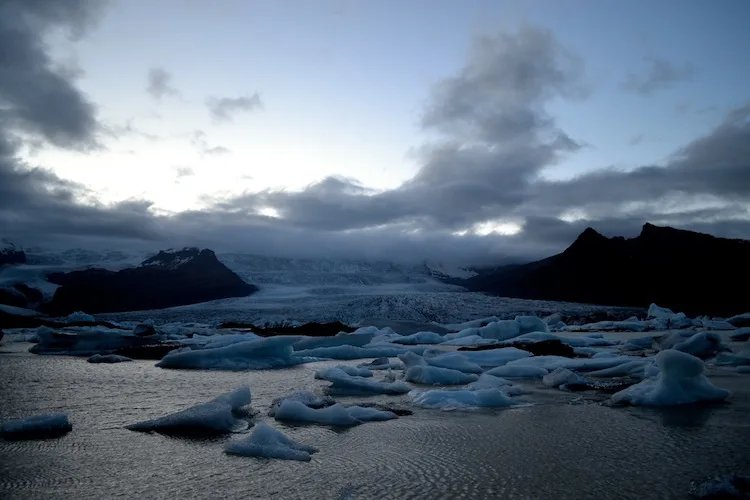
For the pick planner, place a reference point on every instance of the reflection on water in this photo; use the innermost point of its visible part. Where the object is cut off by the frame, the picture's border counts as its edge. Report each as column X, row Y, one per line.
column 553, row 450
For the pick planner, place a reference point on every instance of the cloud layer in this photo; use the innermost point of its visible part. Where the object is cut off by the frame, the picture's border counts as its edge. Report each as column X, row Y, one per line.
column 480, row 178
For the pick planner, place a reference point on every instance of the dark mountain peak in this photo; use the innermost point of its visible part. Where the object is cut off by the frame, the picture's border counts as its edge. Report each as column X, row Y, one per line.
column 173, row 259
column 10, row 253
column 588, row 240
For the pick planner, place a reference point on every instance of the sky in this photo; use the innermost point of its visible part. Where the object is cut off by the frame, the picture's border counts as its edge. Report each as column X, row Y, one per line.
column 473, row 132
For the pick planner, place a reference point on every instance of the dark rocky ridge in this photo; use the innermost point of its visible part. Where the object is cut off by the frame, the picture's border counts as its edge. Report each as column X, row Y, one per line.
column 168, row 279
column 686, row 271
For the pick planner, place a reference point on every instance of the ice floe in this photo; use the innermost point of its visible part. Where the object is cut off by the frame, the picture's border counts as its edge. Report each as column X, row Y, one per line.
column 518, row 371
column 36, row 427
column 336, row 414
column 343, row 383
column 307, row 398
column 434, row 375
column 260, row 354
column 354, row 371
column 681, row 380
column 108, row 358
column 267, row 442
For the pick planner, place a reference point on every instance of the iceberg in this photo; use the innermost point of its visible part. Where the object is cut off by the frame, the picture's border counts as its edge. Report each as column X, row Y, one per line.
column 496, row 357
column 530, row 324
column 267, row 442
column 352, row 352
column 353, row 339
column 549, row 363
column 487, row 381
column 336, row 414
column 207, row 419
column 681, row 381
column 518, row 371
column 382, row 364
column 469, row 340
column 343, row 383
column 349, row 370
column 701, row 345
column 449, row 400
column 502, row 330
column 452, row 360
column 307, row 398
column 42, row 426
column 79, row 317
column 419, row 338
column 562, row 376
column 433, row 375
column 260, row 354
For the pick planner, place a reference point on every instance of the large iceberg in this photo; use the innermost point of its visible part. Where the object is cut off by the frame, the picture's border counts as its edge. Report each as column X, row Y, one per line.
column 307, row 398
column 267, row 442
column 260, row 354
column 343, row 383
column 336, row 414
column 212, row 418
column 434, row 375
column 681, row 380
column 36, row 427
column 448, row 400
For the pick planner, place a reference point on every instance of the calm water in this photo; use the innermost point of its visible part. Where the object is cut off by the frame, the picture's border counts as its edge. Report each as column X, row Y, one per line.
column 564, row 447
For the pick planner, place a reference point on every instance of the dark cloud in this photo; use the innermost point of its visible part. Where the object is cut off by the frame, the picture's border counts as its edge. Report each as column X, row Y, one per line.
column 224, row 108
column 659, row 74
column 493, row 137
column 36, row 96
column 160, row 84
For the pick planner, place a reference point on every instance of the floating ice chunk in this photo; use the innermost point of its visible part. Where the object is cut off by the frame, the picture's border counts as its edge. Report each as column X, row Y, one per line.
column 530, row 324
column 212, row 418
column 382, row 364
column 358, row 339
column 496, row 357
column 487, row 381
column 331, row 415
column 550, row 363
column 260, row 354
column 743, row 369
column 635, row 368
column 562, row 376
column 470, row 340
column 452, row 360
column 307, row 398
column 419, row 338
column 681, row 381
column 604, row 354
column 475, row 323
column 717, row 324
column 108, row 358
column 83, row 340
column 236, row 399
column 625, row 326
column 79, row 316
column 267, row 442
column 740, row 320
column 36, row 427
column 505, row 329
column 448, row 400
column 203, row 419
column 664, row 318
column 352, row 352
column 412, row 359
column 701, row 345
column 655, row 311
column 518, row 371
column 349, row 370
column 741, row 358
column 585, row 341
column 343, row 383
column 218, row 340
column 433, row 375
column 741, row 334
column 368, row 414
column 466, row 332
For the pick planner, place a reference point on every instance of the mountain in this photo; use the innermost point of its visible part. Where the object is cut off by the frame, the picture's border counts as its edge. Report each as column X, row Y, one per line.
column 10, row 254
column 169, row 278
column 686, row 271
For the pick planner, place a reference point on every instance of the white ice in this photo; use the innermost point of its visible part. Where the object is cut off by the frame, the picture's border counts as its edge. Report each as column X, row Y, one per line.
column 354, row 371
column 267, row 442
column 307, row 398
column 448, row 400
column 260, row 354
column 550, row 363
column 681, row 381
column 336, row 414
column 79, row 316
column 343, row 383
column 36, row 427
column 433, row 375
column 215, row 417
column 518, row 371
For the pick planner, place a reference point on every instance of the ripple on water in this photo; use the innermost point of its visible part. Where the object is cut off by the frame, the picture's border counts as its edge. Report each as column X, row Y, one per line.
column 547, row 451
